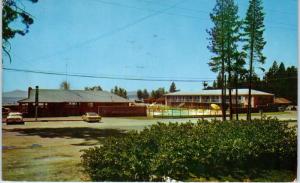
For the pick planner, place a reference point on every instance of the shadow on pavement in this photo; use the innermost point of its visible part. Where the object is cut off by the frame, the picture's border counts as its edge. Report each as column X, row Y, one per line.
column 84, row 133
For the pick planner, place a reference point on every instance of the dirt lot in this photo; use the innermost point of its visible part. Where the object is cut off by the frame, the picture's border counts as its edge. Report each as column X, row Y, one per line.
column 50, row 151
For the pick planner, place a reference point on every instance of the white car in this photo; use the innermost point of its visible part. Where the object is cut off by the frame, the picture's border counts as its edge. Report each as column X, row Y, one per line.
column 91, row 117
column 14, row 118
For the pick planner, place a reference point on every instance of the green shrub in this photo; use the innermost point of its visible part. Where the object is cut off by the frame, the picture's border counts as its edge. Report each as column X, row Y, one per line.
column 207, row 149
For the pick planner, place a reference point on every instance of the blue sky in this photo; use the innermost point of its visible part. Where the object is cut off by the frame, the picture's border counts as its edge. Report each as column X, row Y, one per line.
column 132, row 38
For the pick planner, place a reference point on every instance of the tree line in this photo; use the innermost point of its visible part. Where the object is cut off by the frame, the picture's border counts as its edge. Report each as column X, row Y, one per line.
column 158, row 93
column 122, row 92
column 279, row 80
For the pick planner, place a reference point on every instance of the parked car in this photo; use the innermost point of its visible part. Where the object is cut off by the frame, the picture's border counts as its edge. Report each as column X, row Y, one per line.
column 5, row 112
column 281, row 109
column 91, row 117
column 14, row 118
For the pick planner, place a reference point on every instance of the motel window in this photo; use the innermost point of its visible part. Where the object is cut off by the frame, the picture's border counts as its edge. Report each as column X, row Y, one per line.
column 42, row 105
column 72, row 103
column 205, row 98
column 214, row 98
column 91, row 104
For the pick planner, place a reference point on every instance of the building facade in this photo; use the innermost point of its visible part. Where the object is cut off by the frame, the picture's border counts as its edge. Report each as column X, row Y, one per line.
column 206, row 97
column 53, row 102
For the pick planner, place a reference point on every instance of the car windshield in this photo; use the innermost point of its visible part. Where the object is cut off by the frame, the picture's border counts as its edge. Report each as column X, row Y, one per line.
column 15, row 114
column 92, row 114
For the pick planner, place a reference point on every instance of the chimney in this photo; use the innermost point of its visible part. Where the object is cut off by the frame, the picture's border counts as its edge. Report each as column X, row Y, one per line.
column 29, row 90
column 36, row 102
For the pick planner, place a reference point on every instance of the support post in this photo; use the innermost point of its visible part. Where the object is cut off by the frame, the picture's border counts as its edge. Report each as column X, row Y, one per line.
column 36, row 102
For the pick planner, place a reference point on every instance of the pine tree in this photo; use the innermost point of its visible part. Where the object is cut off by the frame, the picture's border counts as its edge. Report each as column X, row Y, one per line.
column 119, row 91
column 233, row 25
column 239, row 71
column 224, row 37
column 172, row 88
column 139, row 94
column 217, row 45
column 145, row 94
column 254, row 41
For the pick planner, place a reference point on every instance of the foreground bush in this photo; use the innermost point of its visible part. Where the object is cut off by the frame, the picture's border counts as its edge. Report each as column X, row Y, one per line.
column 181, row 151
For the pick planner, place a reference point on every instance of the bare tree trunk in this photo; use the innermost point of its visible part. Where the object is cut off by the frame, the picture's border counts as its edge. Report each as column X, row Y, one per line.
column 251, row 68
column 223, row 69
column 236, row 97
column 223, row 93
column 230, row 96
column 250, row 88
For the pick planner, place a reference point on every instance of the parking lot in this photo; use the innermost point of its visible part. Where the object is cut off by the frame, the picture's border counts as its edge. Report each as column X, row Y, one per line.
column 49, row 150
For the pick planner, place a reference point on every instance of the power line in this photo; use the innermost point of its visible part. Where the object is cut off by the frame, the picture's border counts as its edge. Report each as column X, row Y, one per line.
column 106, row 77
column 124, row 77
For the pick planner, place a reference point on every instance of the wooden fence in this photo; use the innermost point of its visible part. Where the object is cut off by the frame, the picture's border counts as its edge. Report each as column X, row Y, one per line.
column 122, row 111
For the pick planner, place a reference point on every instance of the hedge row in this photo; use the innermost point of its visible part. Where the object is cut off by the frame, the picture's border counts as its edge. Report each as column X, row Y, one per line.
column 182, row 151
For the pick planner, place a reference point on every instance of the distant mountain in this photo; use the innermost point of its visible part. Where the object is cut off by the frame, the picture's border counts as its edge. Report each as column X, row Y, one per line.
column 12, row 97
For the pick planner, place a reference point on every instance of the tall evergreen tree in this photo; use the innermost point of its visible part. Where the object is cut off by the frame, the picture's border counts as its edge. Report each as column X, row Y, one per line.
column 172, row 88
column 223, row 38
column 239, row 71
column 292, row 84
column 145, row 94
column 217, row 46
column 254, row 41
column 233, row 25
column 139, row 94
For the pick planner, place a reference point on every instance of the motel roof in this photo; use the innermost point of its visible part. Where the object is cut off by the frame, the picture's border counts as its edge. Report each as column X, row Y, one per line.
column 282, row 101
column 59, row 96
column 217, row 92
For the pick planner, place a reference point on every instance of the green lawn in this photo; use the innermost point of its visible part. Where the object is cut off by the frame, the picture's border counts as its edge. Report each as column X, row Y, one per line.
column 50, row 151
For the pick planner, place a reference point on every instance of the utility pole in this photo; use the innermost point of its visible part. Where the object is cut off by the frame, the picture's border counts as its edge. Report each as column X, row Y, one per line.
column 67, row 72
column 36, row 101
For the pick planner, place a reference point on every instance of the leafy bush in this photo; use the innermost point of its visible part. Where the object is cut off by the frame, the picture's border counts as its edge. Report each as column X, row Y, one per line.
column 181, row 151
